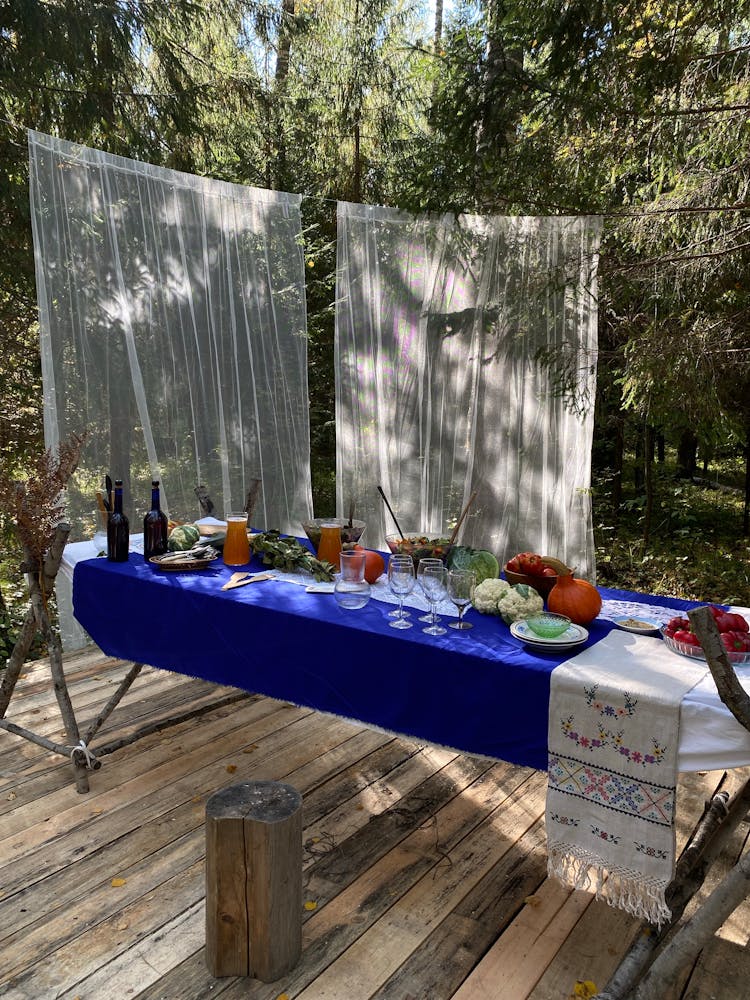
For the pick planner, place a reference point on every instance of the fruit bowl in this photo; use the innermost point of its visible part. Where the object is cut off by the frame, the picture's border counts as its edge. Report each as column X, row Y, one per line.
column 541, row 584
column 349, row 535
column 696, row 652
column 548, row 626
column 419, row 546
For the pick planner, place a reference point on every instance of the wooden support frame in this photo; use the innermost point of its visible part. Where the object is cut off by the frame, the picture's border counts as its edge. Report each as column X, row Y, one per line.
column 78, row 749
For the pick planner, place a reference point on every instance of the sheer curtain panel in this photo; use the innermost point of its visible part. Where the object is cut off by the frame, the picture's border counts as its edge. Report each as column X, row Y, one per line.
column 173, row 329
column 466, row 360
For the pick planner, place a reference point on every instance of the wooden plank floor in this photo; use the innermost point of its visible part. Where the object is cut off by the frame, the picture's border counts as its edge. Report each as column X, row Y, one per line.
column 424, row 871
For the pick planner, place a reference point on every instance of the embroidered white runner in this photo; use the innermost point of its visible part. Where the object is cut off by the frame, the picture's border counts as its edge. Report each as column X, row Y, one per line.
column 613, row 738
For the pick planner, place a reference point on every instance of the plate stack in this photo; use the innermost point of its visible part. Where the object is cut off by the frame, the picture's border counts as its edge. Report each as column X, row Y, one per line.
column 574, row 635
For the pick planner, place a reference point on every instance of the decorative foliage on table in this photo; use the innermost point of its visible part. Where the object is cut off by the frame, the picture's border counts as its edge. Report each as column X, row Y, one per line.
column 512, row 602
column 287, row 554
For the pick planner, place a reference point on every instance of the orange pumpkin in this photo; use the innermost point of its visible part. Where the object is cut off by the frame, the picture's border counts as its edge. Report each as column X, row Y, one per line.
column 374, row 563
column 578, row 599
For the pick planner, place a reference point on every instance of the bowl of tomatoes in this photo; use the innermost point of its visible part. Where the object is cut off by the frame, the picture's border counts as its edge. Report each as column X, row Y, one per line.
column 539, row 572
column 734, row 633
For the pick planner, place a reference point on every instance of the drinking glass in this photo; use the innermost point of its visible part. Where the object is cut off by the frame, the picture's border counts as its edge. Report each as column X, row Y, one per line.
column 423, row 564
column 434, row 584
column 401, row 581
column 236, row 544
column 461, row 583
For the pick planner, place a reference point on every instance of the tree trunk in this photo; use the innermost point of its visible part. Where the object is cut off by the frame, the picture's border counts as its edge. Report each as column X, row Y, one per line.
column 639, row 475
column 283, row 53
column 618, row 455
column 686, row 454
column 438, row 24
column 746, row 510
column 648, row 482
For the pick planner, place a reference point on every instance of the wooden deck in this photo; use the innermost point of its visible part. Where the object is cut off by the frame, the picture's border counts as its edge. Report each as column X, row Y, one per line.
column 425, row 871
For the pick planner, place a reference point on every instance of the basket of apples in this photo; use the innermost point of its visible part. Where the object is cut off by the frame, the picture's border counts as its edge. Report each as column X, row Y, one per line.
column 539, row 572
column 734, row 633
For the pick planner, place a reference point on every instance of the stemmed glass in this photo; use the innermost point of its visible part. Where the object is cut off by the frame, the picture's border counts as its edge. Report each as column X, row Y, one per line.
column 461, row 583
column 433, row 584
column 401, row 581
column 423, row 564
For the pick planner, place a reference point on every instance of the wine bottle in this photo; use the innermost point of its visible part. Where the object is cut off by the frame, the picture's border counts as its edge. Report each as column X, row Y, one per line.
column 155, row 526
column 118, row 529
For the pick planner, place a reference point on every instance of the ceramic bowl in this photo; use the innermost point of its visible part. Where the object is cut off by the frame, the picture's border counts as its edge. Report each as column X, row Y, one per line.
column 548, row 626
column 541, row 584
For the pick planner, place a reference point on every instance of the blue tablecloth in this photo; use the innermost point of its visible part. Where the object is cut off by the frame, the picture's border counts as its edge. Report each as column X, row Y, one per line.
column 479, row 691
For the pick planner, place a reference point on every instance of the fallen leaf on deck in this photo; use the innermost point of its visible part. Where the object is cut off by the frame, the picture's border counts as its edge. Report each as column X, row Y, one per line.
column 584, row 988
column 283, row 996
column 10, row 796
column 123, row 927
column 533, row 901
column 117, row 882
column 311, row 905
column 231, row 768
column 197, row 798
column 97, row 812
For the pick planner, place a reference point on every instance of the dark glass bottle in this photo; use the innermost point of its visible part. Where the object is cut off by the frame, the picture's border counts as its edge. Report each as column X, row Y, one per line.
column 118, row 529
column 155, row 526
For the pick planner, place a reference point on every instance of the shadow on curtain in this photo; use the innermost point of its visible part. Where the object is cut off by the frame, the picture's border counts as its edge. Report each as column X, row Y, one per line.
column 466, row 360
column 173, row 328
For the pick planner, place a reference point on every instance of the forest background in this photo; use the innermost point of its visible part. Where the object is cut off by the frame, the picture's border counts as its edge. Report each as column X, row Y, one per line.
column 636, row 111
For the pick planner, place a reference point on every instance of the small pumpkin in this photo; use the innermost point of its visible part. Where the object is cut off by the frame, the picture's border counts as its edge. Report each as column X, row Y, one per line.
column 374, row 563
column 578, row 599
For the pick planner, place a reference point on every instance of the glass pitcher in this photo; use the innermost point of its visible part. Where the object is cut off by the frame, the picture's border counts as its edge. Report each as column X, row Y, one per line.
column 351, row 590
column 329, row 546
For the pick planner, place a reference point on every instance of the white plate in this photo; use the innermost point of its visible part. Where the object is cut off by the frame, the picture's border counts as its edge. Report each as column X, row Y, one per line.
column 641, row 626
column 572, row 636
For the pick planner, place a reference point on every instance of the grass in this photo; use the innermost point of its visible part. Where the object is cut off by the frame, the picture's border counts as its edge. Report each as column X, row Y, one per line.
column 696, row 549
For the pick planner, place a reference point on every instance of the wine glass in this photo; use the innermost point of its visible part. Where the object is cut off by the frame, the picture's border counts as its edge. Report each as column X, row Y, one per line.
column 423, row 564
column 461, row 583
column 401, row 581
column 433, row 584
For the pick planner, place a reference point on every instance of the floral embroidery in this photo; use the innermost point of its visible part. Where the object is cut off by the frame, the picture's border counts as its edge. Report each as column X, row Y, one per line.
column 649, row 851
column 564, row 820
column 611, row 711
column 611, row 838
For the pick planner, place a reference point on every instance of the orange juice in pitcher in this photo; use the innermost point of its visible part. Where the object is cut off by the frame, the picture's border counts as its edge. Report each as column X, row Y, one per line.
column 236, row 546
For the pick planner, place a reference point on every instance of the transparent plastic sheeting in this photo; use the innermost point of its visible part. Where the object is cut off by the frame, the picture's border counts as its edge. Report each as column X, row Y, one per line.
column 466, row 360
column 173, row 330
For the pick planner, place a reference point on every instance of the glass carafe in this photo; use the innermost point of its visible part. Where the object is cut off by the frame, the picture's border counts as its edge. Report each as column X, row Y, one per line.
column 351, row 590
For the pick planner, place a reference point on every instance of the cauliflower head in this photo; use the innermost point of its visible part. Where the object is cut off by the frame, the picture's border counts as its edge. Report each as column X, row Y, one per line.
column 511, row 603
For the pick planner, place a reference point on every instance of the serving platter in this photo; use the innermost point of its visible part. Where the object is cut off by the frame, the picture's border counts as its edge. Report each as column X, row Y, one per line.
column 572, row 636
column 182, row 565
column 696, row 652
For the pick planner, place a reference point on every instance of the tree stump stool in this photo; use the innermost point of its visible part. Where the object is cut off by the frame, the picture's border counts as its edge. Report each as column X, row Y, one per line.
column 254, row 880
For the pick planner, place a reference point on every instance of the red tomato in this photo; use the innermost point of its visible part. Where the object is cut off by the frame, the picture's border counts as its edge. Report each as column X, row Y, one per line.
column 689, row 638
column 514, row 565
column 738, row 622
column 724, row 622
column 733, row 641
column 531, row 563
column 675, row 624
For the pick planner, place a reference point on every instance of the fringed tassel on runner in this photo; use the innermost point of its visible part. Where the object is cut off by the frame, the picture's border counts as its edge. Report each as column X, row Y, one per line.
column 627, row 890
